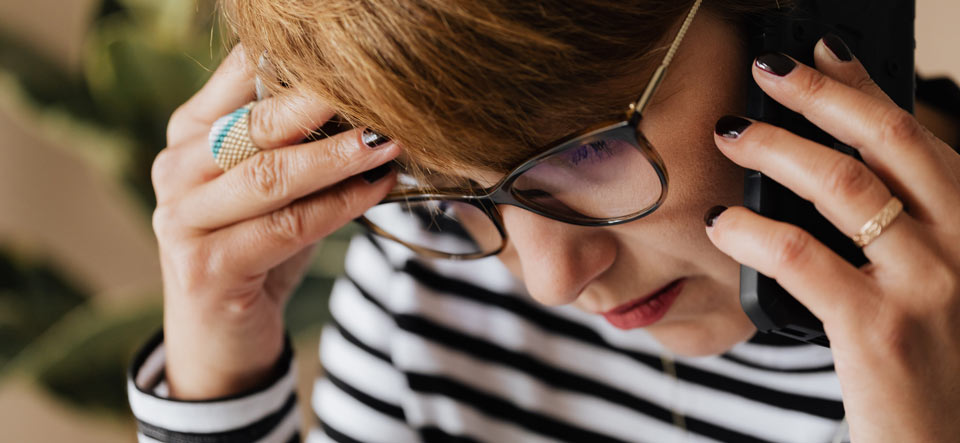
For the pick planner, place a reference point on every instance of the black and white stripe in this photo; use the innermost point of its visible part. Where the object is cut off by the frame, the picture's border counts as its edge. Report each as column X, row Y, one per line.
column 266, row 414
column 455, row 352
column 462, row 337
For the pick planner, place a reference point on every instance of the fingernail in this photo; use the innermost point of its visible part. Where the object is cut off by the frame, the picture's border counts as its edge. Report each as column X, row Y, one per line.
column 375, row 174
column 838, row 47
column 776, row 63
column 372, row 138
column 731, row 126
column 712, row 214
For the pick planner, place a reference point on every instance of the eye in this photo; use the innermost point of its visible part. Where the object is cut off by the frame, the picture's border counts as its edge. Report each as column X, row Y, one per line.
column 596, row 151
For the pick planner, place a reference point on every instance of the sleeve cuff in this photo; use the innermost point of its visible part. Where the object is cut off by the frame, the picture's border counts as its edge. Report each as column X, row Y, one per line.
column 265, row 410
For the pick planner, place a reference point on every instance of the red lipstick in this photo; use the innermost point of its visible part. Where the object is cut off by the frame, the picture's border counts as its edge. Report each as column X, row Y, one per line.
column 646, row 310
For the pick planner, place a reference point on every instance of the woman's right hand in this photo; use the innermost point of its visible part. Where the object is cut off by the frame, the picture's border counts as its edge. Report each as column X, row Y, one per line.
column 234, row 245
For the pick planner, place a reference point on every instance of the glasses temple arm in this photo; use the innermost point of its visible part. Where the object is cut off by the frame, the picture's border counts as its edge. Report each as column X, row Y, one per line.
column 637, row 107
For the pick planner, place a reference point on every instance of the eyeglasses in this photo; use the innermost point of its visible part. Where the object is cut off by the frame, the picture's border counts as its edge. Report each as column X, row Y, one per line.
column 601, row 176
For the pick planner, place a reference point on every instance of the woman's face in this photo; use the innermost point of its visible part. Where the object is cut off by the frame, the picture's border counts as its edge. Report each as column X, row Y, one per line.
column 600, row 269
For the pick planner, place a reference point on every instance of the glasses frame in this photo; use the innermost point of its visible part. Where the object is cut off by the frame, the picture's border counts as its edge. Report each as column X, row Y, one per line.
column 501, row 193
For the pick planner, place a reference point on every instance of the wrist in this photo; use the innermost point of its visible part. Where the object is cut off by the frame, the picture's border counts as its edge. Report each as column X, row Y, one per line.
column 192, row 378
column 215, row 357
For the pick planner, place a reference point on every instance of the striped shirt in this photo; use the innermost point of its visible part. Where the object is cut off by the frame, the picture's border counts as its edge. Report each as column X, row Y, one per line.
column 446, row 351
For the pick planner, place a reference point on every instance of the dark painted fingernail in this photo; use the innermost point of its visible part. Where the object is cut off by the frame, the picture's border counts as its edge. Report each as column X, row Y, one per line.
column 838, row 47
column 731, row 126
column 776, row 63
column 375, row 174
column 712, row 214
column 372, row 138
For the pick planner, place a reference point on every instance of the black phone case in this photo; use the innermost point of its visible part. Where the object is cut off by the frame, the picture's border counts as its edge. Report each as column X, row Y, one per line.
column 880, row 34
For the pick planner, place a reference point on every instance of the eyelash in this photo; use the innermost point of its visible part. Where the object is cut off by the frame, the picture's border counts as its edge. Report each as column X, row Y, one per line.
column 599, row 149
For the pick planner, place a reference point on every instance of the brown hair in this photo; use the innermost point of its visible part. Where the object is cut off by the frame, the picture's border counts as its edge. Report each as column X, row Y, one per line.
column 476, row 83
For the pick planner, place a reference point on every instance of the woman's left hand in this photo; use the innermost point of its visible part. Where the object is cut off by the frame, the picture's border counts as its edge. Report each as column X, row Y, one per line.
column 893, row 324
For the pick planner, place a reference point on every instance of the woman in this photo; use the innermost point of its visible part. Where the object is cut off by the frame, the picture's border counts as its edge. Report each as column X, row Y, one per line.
column 568, row 332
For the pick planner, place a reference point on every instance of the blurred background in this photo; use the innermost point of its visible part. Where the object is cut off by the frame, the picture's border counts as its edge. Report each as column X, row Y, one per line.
column 86, row 87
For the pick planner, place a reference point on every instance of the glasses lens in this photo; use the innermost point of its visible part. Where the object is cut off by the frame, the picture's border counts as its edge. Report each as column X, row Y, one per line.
column 443, row 226
column 602, row 179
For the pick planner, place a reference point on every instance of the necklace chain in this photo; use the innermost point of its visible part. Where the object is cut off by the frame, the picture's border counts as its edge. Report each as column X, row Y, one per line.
column 670, row 368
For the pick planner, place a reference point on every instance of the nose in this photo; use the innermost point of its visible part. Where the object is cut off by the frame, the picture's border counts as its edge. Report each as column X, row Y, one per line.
column 557, row 260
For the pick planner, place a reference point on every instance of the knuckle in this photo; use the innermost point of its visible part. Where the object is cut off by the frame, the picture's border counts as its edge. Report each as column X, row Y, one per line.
column 162, row 221
column 346, row 201
column 338, row 153
column 791, row 247
column 899, row 126
column 177, row 122
column 895, row 334
column 762, row 136
column 212, row 261
column 812, row 86
column 195, row 265
column 848, row 178
column 262, row 125
column 162, row 167
column 287, row 224
column 944, row 282
column 264, row 174
column 864, row 83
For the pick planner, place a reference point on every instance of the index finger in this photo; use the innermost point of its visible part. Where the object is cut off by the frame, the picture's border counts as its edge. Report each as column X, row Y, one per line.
column 889, row 139
column 273, row 178
column 829, row 286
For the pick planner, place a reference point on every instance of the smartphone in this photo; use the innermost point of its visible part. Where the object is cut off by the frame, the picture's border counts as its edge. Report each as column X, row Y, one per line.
column 880, row 33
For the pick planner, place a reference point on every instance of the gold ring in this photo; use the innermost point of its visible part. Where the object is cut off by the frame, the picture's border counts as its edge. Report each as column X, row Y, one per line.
column 875, row 226
column 230, row 138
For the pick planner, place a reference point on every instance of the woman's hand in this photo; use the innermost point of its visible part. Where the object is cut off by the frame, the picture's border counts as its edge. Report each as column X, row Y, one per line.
column 893, row 324
column 234, row 244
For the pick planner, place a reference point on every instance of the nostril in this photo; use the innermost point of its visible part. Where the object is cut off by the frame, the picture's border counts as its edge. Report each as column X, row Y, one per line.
column 558, row 261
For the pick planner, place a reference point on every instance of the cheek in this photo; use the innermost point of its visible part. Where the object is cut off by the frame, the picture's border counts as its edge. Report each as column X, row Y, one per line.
column 672, row 240
column 511, row 260
column 682, row 131
column 700, row 175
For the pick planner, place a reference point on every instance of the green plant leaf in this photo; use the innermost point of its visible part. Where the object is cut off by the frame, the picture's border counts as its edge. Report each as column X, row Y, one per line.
column 33, row 296
column 83, row 360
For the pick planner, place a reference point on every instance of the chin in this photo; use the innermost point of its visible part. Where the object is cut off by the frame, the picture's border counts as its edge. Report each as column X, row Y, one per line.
column 703, row 336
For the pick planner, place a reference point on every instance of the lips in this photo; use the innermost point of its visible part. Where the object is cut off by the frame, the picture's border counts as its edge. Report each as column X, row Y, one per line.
column 646, row 310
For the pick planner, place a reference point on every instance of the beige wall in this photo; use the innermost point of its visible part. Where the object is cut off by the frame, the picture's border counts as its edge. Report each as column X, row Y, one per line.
column 938, row 37
column 55, row 27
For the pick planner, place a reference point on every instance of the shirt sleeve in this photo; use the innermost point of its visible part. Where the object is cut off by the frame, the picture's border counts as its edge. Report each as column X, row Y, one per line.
column 358, row 398
column 266, row 413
